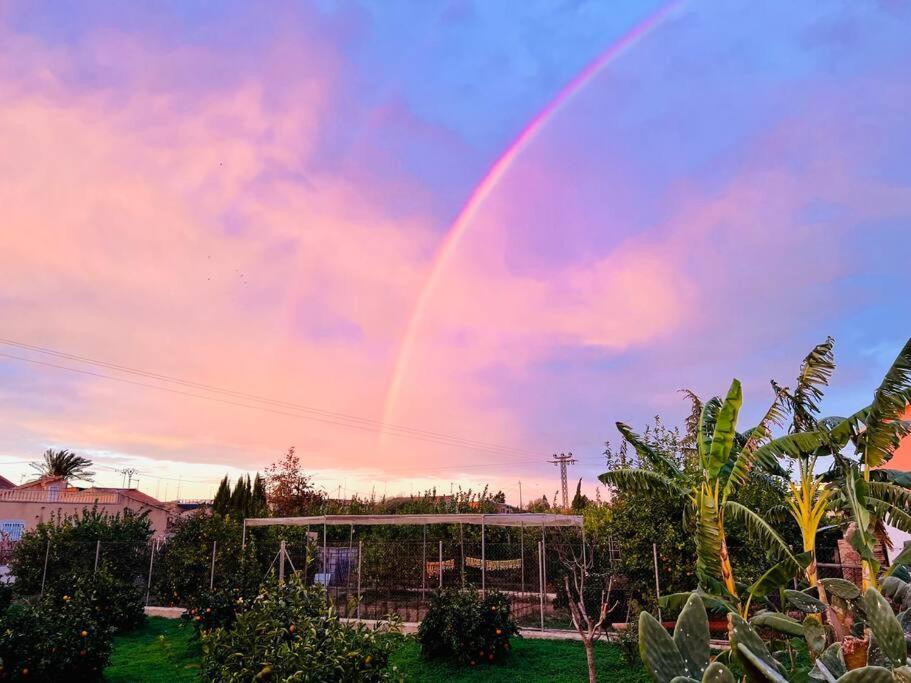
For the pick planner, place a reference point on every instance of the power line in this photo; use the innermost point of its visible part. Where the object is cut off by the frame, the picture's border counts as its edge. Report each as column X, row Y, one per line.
column 325, row 415
column 246, row 405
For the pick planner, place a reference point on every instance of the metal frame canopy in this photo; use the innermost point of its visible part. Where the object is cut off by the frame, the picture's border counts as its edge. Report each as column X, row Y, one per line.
column 500, row 519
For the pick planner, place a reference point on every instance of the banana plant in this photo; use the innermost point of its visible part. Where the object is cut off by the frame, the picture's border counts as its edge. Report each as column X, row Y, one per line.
column 725, row 460
column 871, row 493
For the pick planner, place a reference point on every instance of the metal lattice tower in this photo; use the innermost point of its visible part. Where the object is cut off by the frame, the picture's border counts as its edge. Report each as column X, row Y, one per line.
column 563, row 460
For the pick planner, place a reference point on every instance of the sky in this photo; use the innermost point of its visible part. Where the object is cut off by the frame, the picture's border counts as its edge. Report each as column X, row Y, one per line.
column 432, row 243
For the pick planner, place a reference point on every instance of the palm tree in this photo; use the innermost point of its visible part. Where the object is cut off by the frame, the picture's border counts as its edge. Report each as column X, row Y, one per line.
column 809, row 496
column 725, row 460
column 870, row 494
column 63, row 464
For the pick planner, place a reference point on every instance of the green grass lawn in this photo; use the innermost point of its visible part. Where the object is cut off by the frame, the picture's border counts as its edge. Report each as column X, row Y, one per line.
column 164, row 651
column 529, row 660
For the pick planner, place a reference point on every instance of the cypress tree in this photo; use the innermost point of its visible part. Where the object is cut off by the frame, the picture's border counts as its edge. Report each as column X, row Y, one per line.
column 222, row 500
column 259, row 505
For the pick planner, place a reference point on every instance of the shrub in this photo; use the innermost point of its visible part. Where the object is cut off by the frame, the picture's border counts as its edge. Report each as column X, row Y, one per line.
column 6, row 596
column 218, row 608
column 183, row 565
column 462, row 625
column 289, row 632
column 56, row 638
column 124, row 549
column 117, row 604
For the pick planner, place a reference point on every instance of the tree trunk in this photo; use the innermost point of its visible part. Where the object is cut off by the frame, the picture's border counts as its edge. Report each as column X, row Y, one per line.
column 590, row 658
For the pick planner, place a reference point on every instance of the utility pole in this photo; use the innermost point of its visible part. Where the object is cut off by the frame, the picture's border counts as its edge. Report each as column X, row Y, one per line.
column 520, row 496
column 128, row 474
column 563, row 460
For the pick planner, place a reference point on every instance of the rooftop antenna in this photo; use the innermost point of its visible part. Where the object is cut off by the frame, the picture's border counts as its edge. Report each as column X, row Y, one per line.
column 563, row 460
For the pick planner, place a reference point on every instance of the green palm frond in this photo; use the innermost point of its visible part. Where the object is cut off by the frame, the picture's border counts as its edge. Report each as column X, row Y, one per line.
column 641, row 481
column 891, row 493
column 889, row 403
column 708, row 539
column 815, row 372
column 707, row 428
column 691, row 424
column 898, row 477
column 64, row 464
column 759, row 529
column 746, row 458
column 893, row 515
column 779, row 575
column 725, row 429
column 854, row 491
column 659, row 461
column 848, row 429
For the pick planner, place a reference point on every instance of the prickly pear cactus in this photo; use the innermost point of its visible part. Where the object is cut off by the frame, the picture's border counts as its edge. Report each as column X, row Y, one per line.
column 658, row 651
column 716, row 672
column 691, row 636
column 805, row 603
column 778, row 622
column 886, row 628
column 814, row 632
column 842, row 588
column 830, row 664
column 868, row 674
column 752, row 652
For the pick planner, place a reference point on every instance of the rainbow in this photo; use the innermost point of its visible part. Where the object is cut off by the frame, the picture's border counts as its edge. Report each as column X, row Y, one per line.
column 490, row 181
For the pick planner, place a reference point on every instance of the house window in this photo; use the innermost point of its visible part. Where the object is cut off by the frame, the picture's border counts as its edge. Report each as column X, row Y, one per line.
column 12, row 528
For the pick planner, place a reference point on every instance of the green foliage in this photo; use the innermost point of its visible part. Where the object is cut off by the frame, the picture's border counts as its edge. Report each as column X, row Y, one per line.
column 183, row 566
column 63, row 464
column 247, row 499
column 290, row 633
column 463, row 626
column 219, row 607
column 124, row 549
column 628, row 642
column 59, row 637
column 117, row 604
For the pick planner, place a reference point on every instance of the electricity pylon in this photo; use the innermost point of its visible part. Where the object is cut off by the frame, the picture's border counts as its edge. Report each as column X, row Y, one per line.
column 563, row 460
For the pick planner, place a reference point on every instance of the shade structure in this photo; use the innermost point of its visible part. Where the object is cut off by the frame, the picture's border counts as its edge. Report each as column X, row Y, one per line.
column 500, row 519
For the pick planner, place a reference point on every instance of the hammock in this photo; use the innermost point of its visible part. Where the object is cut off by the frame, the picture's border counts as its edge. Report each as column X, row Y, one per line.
column 493, row 565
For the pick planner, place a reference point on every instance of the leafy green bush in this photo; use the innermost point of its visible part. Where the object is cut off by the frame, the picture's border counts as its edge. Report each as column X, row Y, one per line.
column 117, row 604
column 218, row 608
column 183, row 565
column 289, row 632
column 6, row 596
column 59, row 637
column 73, row 539
column 462, row 625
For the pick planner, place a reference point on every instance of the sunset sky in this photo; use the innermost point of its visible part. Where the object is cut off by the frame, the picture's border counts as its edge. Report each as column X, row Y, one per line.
column 498, row 227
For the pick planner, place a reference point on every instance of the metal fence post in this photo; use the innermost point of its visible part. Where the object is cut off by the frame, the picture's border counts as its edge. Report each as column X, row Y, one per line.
column 97, row 553
column 483, row 557
column 657, row 585
column 47, row 553
column 462, row 552
column 281, row 561
column 441, row 564
column 541, row 579
column 151, row 561
column 424, row 566
column 360, row 552
column 212, row 571
column 522, row 552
